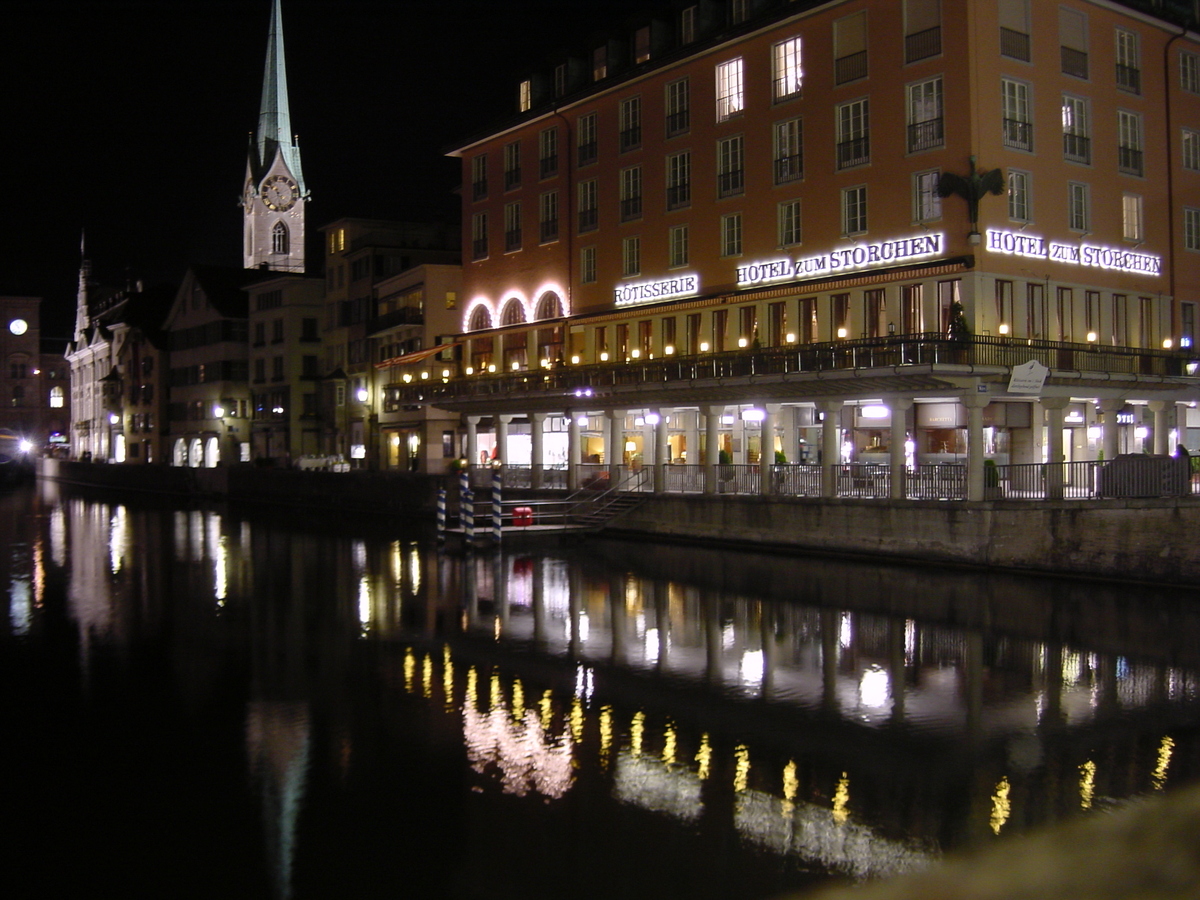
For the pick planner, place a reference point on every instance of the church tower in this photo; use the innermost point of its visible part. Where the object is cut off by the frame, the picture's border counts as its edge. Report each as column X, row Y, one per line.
column 274, row 195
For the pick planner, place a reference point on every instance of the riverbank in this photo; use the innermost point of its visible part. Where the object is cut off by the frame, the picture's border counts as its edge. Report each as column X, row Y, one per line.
column 1133, row 540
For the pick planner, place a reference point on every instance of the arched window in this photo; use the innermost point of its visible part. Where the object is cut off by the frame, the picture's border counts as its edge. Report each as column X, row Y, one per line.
column 549, row 306
column 480, row 319
column 513, row 312
column 56, row 397
column 279, row 238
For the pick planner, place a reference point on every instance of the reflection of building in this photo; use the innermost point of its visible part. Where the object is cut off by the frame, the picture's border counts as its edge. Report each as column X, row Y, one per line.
column 36, row 405
column 723, row 213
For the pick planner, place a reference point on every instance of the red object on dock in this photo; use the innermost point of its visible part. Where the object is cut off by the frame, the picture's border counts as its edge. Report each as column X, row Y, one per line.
column 522, row 515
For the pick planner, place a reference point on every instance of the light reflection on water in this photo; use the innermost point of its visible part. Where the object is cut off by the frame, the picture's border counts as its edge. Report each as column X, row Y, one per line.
column 839, row 720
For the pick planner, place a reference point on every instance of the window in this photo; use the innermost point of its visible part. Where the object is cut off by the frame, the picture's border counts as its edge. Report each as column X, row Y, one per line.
column 678, row 107
column 677, row 246
column 1191, row 150
column 1091, row 314
column 1035, row 311
column 731, row 235
column 586, row 139
column 667, row 333
column 730, row 172
column 1072, row 36
column 1189, row 72
column 874, row 312
column 1079, row 215
column 630, row 124
column 1129, row 142
column 1018, row 195
column 641, row 44
column 599, row 63
column 479, row 236
column 1131, row 217
column 789, row 152
column 512, row 165
column 1004, row 306
column 1014, row 29
column 587, row 265
column 277, row 331
column 925, row 130
column 631, row 256
column 777, row 324
column 1120, row 319
column 679, row 180
column 853, row 136
column 787, row 74
column 687, row 25
column 1018, row 126
column 912, row 319
column 1187, row 324
column 839, row 307
column 720, row 327
column 479, row 185
column 631, row 193
column 56, row 397
column 854, row 210
column 525, row 95
column 1129, row 66
column 279, row 238
column 1192, row 228
column 1076, row 127
column 548, row 152
column 512, row 227
column 548, row 217
column 589, row 213
column 729, row 89
column 738, row 10
column 922, row 29
column 927, row 205
column 560, row 79
column 1066, row 313
column 850, row 48
column 789, row 223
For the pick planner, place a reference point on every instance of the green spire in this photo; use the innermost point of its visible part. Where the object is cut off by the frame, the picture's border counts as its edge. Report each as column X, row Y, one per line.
column 274, row 118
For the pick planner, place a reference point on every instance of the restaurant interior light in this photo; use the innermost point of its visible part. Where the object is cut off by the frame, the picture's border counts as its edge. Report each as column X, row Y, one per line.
column 753, row 414
column 841, row 332
column 704, row 346
column 873, row 411
column 1003, row 329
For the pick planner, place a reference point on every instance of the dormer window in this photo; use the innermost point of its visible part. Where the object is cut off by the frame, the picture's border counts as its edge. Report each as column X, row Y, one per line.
column 599, row 63
column 641, row 44
column 687, row 25
column 525, row 95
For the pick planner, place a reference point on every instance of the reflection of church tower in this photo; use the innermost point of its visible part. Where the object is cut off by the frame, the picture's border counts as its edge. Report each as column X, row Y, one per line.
column 274, row 196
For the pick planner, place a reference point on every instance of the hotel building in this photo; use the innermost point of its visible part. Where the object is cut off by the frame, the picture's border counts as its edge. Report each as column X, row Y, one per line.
column 912, row 232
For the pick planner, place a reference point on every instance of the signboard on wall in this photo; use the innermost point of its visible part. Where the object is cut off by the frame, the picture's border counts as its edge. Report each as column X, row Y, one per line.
column 1017, row 243
column 843, row 259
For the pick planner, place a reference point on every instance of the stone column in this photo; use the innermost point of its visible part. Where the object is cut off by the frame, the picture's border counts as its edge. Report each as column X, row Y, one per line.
column 616, row 443
column 537, row 453
column 899, row 407
column 691, row 439
column 1159, row 408
column 574, row 449
column 831, row 445
column 502, row 422
column 766, row 442
column 661, row 452
column 472, row 440
column 1110, row 408
column 975, row 401
column 712, row 439
column 1055, row 457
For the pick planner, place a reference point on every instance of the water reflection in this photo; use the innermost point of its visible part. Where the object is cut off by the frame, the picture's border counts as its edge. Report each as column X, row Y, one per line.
column 834, row 719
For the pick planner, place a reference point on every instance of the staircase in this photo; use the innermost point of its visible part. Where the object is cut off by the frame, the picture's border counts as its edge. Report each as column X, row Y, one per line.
column 594, row 511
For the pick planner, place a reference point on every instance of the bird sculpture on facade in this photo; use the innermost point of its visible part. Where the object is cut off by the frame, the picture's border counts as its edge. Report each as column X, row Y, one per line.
column 972, row 188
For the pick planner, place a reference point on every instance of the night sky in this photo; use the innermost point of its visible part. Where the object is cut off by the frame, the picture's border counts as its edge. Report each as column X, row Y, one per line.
column 130, row 118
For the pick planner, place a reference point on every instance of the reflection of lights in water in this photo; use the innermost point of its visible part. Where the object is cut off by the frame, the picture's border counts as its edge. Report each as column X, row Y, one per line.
column 651, row 785
column 427, row 677
column 116, row 539
column 410, row 665
column 1087, row 784
column 704, row 758
column 873, row 687
column 910, row 641
column 791, row 786
column 651, row 644
column 1001, row 806
column 497, row 630
column 841, row 800
column 577, row 719
column 669, row 742
column 637, row 730
column 221, row 570
column 58, row 536
column 447, row 678
column 633, row 593
column 741, row 768
column 1072, row 668
column 1159, row 777
column 414, row 568
column 728, row 636
column 752, row 667
column 845, row 631
column 472, row 696
column 518, row 701
column 583, row 627
column 396, row 559
column 496, row 692
column 20, row 606
column 606, row 734
column 358, row 556
column 364, row 605
column 585, row 682
column 546, row 708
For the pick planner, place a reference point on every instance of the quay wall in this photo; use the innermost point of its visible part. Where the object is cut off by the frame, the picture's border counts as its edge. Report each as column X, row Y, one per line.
column 1138, row 540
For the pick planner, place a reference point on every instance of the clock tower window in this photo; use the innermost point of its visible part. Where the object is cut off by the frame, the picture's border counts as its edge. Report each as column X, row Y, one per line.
column 280, row 240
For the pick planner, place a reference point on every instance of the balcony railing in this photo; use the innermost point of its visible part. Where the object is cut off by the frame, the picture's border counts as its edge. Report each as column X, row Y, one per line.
column 926, row 135
column 1014, row 44
column 679, row 196
column 730, row 183
column 789, row 168
column 512, row 178
column 1077, row 148
column 587, row 153
column 631, row 208
column 588, row 219
column 923, row 44
column 1018, row 134
column 678, row 122
column 854, row 152
column 1129, row 78
column 850, row 68
column 548, row 166
column 1074, row 62
column 1129, row 160
column 630, row 138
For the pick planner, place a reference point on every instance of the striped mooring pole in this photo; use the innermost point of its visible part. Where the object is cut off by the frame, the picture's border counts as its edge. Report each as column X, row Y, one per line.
column 441, row 514
column 497, row 508
column 468, row 518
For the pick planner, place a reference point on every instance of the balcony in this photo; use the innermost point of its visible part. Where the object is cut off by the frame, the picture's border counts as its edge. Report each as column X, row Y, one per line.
column 1077, row 148
column 512, row 178
column 679, row 122
column 926, row 135
column 630, row 138
column 631, row 208
column 1129, row 78
column 679, row 196
column 1129, row 160
column 588, row 219
column 789, row 168
column 923, row 44
column 548, row 166
column 1018, row 134
column 1074, row 62
column 1014, row 44
column 850, row 68
column 587, row 153
column 854, row 152
column 730, row 183
column 479, row 189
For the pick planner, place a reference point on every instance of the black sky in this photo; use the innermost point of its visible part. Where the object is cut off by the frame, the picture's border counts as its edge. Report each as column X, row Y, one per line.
column 129, row 119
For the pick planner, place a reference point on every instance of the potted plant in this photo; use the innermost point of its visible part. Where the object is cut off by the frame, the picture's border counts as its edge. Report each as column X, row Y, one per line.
column 991, row 480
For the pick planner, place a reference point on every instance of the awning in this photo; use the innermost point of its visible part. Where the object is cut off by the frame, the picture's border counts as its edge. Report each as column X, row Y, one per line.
column 416, row 356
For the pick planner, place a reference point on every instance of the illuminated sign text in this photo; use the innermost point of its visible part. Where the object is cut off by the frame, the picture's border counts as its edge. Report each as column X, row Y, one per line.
column 1018, row 244
column 859, row 256
column 650, row 291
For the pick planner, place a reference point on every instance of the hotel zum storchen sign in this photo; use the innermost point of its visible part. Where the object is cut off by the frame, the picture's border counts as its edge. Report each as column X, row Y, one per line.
column 1018, row 244
column 859, row 256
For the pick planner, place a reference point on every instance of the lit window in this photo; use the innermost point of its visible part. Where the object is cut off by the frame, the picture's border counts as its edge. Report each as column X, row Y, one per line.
column 56, row 395
column 525, row 96
column 789, row 223
column 631, row 256
column 641, row 44
column 1191, row 150
column 788, row 75
column 1076, row 127
column 927, row 205
column 729, row 89
column 854, row 210
column 1079, row 206
column 1018, row 195
column 731, row 235
column 1131, row 217
column 599, row 63
column 677, row 239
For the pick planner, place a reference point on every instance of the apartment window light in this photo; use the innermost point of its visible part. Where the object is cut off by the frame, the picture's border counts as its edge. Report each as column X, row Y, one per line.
column 788, row 75
column 525, row 96
column 641, row 44
column 1076, row 128
column 730, row 98
column 1131, row 217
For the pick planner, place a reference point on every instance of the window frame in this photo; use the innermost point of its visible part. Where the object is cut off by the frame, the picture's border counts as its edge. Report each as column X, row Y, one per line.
column 730, row 89
column 927, row 132
column 854, row 210
column 787, row 69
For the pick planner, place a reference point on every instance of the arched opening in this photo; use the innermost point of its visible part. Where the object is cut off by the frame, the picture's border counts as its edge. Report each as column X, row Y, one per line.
column 513, row 312
column 549, row 340
column 549, row 306
column 212, row 453
column 280, row 239
column 481, row 319
column 179, row 456
column 195, row 454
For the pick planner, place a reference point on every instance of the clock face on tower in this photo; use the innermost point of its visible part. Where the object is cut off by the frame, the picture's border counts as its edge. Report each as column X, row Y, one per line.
column 18, row 326
column 280, row 193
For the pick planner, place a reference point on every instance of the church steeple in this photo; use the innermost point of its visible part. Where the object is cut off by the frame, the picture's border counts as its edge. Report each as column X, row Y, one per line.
column 275, row 194
column 83, row 318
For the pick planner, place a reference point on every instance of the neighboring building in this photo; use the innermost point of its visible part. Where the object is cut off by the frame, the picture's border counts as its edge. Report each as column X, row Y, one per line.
column 209, row 408
column 135, row 385
column 274, row 196
column 797, row 205
column 417, row 315
column 285, row 367
column 30, row 388
column 359, row 253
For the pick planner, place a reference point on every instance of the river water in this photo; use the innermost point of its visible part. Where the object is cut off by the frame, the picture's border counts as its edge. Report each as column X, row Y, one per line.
column 247, row 703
